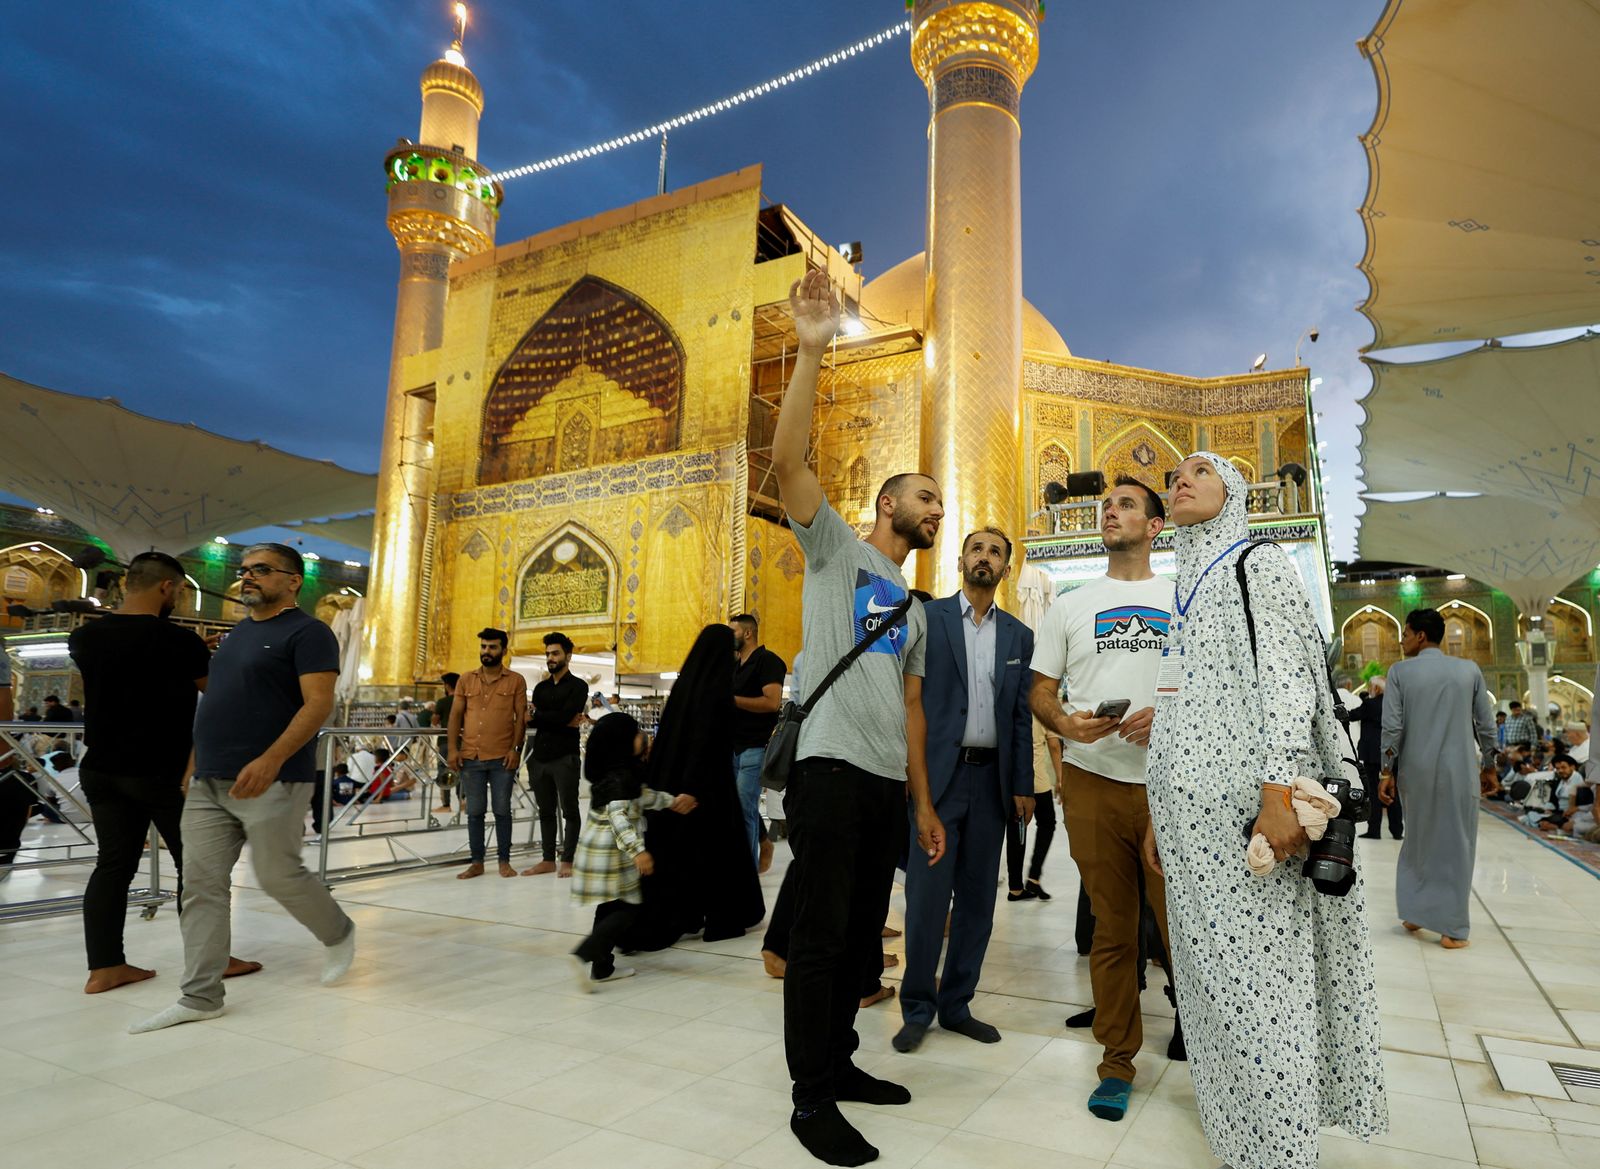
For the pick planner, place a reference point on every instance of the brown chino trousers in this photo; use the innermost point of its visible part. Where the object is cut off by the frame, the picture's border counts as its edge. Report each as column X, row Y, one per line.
column 1105, row 823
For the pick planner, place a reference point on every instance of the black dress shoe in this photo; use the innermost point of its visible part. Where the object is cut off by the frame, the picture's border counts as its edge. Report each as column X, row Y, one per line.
column 1370, row 836
column 1027, row 894
column 1034, row 888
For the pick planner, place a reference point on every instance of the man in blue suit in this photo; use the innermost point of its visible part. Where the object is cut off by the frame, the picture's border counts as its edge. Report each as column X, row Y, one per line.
column 980, row 775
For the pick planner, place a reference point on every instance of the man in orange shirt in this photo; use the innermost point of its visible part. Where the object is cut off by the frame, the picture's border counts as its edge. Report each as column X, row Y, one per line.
column 487, row 722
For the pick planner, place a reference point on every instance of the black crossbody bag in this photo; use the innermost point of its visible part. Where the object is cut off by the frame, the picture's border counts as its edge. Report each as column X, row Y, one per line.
column 778, row 763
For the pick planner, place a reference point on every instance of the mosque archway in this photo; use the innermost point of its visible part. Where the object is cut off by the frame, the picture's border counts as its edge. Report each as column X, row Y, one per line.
column 35, row 574
column 570, row 579
column 597, row 379
column 1569, row 628
column 1468, row 633
column 1373, row 635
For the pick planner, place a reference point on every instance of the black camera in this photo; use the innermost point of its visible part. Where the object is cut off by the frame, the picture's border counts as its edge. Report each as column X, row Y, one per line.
column 1331, row 865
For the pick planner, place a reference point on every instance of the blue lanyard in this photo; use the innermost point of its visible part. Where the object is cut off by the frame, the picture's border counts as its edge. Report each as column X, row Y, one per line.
column 1183, row 606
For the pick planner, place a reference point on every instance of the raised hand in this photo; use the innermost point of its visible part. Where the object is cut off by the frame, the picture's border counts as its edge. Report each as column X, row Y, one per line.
column 815, row 310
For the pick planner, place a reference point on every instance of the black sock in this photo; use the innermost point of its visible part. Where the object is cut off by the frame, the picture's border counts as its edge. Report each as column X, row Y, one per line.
column 1081, row 1019
column 973, row 1029
column 859, row 1087
column 829, row 1137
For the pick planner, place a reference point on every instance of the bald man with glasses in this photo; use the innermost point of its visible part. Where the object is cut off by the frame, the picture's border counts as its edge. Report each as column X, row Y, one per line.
column 253, row 774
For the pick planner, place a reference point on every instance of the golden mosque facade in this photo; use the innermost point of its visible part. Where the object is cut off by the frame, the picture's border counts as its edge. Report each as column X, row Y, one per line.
column 579, row 423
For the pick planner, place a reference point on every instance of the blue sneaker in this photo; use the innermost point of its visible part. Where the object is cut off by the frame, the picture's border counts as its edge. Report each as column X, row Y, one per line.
column 1110, row 1100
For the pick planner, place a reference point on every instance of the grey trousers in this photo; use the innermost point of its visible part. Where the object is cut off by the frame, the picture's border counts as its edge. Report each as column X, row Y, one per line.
column 215, row 828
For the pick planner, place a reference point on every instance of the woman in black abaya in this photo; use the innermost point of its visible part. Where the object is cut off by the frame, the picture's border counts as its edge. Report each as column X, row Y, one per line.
column 704, row 875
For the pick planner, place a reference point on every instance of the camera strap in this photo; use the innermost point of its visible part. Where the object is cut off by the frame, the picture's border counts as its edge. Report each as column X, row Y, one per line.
column 1250, row 625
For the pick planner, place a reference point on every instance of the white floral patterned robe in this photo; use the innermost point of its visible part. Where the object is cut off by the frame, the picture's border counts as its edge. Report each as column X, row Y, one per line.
column 1275, row 980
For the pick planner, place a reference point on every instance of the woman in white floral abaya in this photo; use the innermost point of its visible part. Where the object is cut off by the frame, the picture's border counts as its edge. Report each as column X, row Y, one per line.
column 1275, row 979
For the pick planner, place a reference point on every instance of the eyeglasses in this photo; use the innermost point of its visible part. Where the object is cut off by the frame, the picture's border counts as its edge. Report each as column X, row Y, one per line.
column 259, row 571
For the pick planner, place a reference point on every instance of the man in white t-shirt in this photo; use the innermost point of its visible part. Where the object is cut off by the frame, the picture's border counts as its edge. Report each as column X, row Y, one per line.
column 1105, row 639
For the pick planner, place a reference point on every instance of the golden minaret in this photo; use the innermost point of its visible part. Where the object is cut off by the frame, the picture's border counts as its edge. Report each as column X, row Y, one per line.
column 974, row 56
column 442, row 207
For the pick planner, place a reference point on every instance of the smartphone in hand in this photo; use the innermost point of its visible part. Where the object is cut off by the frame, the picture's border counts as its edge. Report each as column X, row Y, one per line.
column 1113, row 708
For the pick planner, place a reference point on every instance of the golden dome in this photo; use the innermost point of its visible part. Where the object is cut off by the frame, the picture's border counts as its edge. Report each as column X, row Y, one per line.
column 898, row 297
column 457, row 79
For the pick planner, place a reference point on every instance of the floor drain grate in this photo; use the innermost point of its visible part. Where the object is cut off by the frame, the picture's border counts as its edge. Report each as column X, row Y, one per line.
column 1575, row 1077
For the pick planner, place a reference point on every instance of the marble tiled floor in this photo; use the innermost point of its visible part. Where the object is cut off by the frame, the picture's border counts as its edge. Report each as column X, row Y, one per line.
column 460, row 1039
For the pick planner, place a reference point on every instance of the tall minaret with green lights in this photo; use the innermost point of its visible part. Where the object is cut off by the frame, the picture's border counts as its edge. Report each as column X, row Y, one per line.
column 442, row 207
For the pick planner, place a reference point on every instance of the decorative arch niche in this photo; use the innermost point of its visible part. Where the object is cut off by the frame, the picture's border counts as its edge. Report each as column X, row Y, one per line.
column 570, row 578
column 35, row 574
column 1373, row 635
column 1569, row 627
column 597, row 379
column 1140, row 451
column 1468, row 632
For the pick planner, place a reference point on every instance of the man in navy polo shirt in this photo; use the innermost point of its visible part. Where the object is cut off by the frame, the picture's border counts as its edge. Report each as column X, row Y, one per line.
column 253, row 773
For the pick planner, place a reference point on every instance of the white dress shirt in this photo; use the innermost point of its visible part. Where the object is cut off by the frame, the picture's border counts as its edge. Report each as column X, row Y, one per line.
column 980, row 639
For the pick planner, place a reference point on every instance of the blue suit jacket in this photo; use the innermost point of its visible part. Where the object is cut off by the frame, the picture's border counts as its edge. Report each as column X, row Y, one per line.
column 944, row 699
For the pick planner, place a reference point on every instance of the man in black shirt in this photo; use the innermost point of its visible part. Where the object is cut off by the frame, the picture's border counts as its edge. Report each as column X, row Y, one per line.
column 54, row 712
column 254, row 766
column 555, row 716
column 143, row 676
column 444, row 779
column 757, row 697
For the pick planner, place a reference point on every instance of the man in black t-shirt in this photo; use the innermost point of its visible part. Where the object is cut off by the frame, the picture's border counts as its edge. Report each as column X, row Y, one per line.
column 254, row 769
column 554, row 717
column 757, row 697
column 142, row 676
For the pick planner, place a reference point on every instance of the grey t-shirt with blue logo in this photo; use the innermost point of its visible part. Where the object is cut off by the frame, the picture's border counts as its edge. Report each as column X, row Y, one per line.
column 849, row 585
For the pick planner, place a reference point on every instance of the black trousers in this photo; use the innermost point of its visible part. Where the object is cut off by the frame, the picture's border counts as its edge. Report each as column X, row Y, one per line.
column 843, row 827
column 555, row 782
column 1044, row 831
column 16, row 801
column 781, row 920
column 612, row 920
column 123, row 807
column 1375, row 813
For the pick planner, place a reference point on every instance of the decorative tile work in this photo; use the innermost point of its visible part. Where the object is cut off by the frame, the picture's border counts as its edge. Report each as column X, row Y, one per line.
column 475, row 546
column 1174, row 397
column 594, row 483
column 976, row 83
column 675, row 521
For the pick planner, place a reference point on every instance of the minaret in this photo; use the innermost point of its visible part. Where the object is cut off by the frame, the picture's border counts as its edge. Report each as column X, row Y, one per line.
column 442, row 207
column 974, row 58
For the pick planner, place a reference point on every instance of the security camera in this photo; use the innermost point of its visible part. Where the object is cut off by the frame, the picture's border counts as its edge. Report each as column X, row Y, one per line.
column 1314, row 335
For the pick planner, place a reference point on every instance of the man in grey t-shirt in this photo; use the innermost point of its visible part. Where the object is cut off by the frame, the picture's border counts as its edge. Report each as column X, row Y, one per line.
column 861, row 753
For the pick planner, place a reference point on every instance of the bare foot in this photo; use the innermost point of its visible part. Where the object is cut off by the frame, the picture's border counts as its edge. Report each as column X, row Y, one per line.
column 110, row 977
column 1450, row 943
column 890, row 932
column 766, row 857
column 507, row 869
column 239, row 967
column 540, row 869
column 1410, row 927
column 565, row 870
column 890, row 961
column 882, row 994
column 442, row 808
column 774, row 965
column 473, row 870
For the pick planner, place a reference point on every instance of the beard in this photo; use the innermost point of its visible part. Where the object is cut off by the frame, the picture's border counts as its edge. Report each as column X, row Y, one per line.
column 981, row 577
column 909, row 529
column 1122, row 542
column 250, row 599
column 491, row 660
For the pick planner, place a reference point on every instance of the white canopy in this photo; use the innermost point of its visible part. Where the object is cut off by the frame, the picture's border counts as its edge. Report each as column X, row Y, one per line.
column 1527, row 551
column 355, row 530
column 138, row 483
column 1483, row 205
column 1523, row 423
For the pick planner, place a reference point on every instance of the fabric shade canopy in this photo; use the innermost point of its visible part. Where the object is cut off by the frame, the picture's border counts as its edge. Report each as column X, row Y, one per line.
column 139, row 483
column 355, row 530
column 1522, row 423
column 1527, row 551
column 1483, row 204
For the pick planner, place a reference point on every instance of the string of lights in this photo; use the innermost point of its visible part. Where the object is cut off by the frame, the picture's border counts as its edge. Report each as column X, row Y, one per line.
column 652, row 132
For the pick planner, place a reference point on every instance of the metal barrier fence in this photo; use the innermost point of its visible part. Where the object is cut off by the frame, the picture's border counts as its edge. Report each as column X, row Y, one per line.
column 415, row 765
column 39, row 764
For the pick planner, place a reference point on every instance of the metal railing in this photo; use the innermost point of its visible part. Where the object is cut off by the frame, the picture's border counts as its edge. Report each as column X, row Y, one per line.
column 414, row 767
column 28, row 765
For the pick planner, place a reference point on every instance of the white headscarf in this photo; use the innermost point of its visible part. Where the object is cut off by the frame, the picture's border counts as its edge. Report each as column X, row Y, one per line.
column 1197, row 545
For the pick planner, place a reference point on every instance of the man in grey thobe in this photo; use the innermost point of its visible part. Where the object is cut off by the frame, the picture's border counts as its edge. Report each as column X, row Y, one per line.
column 1433, row 709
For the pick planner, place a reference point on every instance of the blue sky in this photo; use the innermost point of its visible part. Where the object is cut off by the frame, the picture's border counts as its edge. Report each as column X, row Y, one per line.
column 202, row 205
